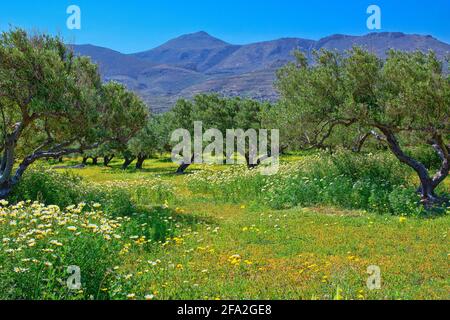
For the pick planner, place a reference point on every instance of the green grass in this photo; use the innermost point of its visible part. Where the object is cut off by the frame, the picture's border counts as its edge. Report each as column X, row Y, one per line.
column 212, row 234
column 214, row 248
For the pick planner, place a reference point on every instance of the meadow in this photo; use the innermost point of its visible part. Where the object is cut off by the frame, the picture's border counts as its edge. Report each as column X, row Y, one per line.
column 223, row 232
column 368, row 193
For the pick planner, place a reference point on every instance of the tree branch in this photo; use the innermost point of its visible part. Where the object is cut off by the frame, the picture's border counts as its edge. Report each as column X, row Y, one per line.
column 443, row 152
column 47, row 154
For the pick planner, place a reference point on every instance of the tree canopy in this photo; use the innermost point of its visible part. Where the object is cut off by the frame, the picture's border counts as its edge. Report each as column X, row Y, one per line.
column 217, row 112
column 406, row 96
column 53, row 103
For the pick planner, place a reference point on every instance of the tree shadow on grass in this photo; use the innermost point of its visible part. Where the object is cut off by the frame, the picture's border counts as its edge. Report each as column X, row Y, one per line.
column 161, row 224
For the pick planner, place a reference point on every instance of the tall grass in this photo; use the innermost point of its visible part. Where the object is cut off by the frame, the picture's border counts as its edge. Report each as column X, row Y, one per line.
column 372, row 182
column 56, row 220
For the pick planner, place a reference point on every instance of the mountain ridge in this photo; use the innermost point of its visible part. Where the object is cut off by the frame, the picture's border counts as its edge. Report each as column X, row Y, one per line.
column 198, row 62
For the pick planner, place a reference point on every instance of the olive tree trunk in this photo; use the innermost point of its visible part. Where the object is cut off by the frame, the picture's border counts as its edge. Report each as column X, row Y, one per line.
column 183, row 167
column 428, row 184
column 9, row 178
column 140, row 161
column 127, row 162
column 107, row 160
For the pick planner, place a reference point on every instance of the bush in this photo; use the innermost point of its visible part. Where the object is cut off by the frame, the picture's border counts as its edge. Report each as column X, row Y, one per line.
column 425, row 155
column 64, row 189
column 377, row 183
column 372, row 182
column 48, row 186
column 405, row 201
column 381, row 167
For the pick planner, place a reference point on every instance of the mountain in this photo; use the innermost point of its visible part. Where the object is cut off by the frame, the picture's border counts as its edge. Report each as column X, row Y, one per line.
column 198, row 51
column 112, row 62
column 198, row 62
column 380, row 43
column 262, row 55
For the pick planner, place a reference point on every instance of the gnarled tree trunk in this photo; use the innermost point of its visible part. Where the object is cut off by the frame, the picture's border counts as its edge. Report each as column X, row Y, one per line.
column 140, row 161
column 183, row 167
column 428, row 184
column 8, row 179
column 127, row 162
column 107, row 160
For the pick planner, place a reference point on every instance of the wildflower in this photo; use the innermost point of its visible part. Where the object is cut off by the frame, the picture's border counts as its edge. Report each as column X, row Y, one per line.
column 3, row 202
column 149, row 297
column 338, row 295
column 20, row 270
column 179, row 266
column 72, row 228
column 56, row 243
column 31, row 243
column 92, row 226
column 131, row 296
column 96, row 205
column 361, row 294
column 402, row 219
column 235, row 259
column 178, row 241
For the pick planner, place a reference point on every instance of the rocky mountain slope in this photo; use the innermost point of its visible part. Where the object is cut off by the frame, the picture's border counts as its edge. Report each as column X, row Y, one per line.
column 198, row 62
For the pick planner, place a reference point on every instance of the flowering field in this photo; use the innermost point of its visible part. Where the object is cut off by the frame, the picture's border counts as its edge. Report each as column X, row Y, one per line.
column 222, row 233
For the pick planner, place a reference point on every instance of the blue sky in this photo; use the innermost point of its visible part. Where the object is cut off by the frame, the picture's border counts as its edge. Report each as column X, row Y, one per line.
column 137, row 25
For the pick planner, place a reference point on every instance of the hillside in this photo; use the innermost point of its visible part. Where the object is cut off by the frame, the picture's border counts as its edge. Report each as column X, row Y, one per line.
column 199, row 62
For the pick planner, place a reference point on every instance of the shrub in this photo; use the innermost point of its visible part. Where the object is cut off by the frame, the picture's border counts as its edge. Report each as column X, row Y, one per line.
column 372, row 182
column 48, row 186
column 425, row 155
column 64, row 189
column 405, row 201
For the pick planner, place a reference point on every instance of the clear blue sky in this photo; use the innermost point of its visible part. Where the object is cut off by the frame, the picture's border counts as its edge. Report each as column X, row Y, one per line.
column 137, row 25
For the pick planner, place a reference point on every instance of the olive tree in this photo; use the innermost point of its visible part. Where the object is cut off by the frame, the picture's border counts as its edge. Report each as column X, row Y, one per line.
column 217, row 112
column 52, row 103
column 153, row 138
column 407, row 95
column 127, row 116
